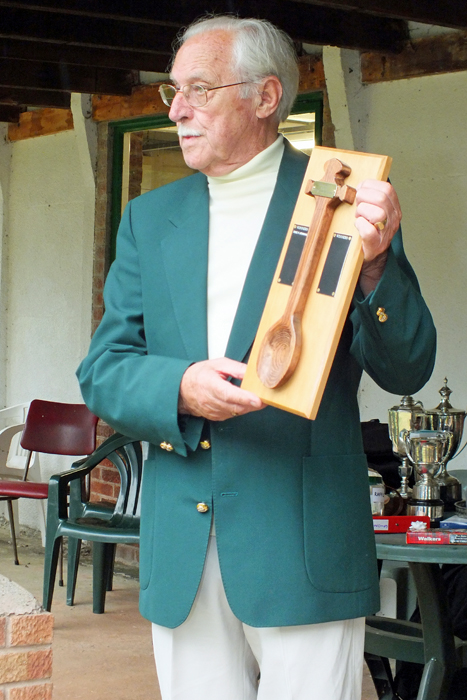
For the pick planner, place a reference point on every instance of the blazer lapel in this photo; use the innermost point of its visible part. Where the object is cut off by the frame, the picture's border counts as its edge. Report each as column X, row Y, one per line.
column 267, row 252
column 185, row 256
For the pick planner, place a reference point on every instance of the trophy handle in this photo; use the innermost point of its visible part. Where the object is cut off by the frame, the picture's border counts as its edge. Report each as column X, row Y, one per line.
column 404, row 438
column 449, row 435
column 459, row 451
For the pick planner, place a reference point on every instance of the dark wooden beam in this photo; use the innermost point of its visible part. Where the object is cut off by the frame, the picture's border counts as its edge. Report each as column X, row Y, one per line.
column 78, row 30
column 85, row 56
column 446, row 53
column 10, row 113
column 165, row 11
column 64, row 78
column 449, row 13
column 306, row 23
column 35, row 98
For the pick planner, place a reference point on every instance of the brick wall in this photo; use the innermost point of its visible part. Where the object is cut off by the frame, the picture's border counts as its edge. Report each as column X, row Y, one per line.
column 25, row 646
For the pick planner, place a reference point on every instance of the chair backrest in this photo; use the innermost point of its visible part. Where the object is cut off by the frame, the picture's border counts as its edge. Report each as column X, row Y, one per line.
column 9, row 451
column 13, row 415
column 127, row 456
column 128, row 459
column 59, row 428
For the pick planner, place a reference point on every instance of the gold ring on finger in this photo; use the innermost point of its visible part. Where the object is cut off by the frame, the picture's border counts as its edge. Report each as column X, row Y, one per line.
column 380, row 225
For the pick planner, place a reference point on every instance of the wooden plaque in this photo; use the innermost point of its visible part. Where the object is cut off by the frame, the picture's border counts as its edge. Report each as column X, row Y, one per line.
column 331, row 291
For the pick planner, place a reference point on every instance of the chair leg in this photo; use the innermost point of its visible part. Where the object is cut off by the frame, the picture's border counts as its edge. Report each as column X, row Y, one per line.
column 50, row 571
column 74, row 550
column 381, row 676
column 99, row 581
column 12, row 530
column 60, row 580
column 109, row 566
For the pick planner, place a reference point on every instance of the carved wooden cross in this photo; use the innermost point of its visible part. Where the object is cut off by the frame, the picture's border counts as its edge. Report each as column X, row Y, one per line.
column 281, row 347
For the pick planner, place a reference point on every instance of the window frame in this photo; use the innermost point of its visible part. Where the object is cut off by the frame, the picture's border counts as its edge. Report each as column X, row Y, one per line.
column 306, row 102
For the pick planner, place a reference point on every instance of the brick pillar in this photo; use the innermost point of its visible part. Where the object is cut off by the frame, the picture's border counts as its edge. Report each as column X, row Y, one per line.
column 25, row 645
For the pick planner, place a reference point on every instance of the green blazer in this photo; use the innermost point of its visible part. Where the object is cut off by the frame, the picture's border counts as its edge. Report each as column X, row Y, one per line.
column 290, row 496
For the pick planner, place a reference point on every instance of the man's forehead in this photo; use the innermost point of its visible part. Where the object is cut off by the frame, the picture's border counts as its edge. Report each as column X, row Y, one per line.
column 205, row 57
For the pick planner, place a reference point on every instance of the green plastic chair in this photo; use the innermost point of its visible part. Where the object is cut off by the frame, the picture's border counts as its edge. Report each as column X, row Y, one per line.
column 79, row 519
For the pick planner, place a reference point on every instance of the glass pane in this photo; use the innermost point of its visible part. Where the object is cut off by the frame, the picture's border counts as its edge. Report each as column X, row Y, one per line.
column 153, row 157
column 299, row 129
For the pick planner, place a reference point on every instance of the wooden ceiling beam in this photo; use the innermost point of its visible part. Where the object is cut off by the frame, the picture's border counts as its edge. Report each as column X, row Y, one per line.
column 41, row 122
column 77, row 30
column 304, row 22
column 123, row 10
column 446, row 53
column 84, row 56
column 449, row 13
column 323, row 26
column 10, row 113
column 64, row 78
column 35, row 98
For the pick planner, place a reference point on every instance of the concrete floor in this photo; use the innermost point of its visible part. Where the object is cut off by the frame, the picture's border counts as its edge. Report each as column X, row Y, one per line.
column 96, row 657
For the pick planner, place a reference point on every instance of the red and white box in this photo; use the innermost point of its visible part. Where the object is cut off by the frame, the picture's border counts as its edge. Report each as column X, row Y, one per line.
column 437, row 536
column 397, row 523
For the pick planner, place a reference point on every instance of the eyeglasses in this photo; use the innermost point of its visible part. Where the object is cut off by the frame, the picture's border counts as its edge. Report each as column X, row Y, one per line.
column 195, row 95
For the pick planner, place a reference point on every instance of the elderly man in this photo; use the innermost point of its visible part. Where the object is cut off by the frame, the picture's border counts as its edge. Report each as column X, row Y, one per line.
column 257, row 552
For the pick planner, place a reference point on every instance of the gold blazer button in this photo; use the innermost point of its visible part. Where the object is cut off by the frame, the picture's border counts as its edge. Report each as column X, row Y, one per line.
column 205, row 445
column 166, row 446
column 202, row 507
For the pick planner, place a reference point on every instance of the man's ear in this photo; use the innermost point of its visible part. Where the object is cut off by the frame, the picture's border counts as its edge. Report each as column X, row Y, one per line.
column 269, row 94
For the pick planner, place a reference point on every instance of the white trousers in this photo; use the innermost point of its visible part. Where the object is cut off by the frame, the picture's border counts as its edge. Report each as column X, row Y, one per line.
column 214, row 656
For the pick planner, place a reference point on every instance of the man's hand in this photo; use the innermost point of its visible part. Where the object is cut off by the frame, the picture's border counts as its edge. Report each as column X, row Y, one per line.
column 205, row 391
column 378, row 217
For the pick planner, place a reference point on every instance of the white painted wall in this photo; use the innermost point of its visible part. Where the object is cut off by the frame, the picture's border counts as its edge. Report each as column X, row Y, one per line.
column 420, row 123
column 50, row 199
column 5, row 161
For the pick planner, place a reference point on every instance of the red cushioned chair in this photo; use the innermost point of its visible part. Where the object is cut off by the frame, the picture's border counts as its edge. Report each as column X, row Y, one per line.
column 52, row 428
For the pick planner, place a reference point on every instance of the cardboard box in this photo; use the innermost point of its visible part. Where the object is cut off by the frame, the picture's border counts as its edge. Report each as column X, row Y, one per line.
column 437, row 536
column 397, row 523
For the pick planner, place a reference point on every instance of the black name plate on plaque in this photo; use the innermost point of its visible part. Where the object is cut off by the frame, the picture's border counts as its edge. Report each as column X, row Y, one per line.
column 334, row 263
column 293, row 254
column 332, row 267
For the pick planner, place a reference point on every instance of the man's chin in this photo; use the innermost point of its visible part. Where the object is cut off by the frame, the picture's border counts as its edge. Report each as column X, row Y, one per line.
column 191, row 158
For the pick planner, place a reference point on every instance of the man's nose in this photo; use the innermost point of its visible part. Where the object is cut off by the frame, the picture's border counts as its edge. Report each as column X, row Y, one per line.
column 179, row 108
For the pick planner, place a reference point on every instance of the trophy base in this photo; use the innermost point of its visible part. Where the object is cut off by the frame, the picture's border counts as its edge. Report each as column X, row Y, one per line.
column 433, row 508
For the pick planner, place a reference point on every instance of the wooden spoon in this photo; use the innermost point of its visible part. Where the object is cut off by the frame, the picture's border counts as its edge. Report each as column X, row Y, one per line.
column 281, row 347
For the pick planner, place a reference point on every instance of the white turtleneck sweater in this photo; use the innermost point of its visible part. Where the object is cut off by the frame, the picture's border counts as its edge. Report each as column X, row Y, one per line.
column 238, row 203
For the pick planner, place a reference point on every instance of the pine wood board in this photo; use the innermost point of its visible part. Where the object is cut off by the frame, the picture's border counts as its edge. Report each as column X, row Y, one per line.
column 325, row 314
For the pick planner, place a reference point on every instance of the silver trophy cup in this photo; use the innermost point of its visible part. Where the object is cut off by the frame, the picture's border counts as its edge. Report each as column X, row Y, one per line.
column 426, row 450
column 408, row 415
column 446, row 418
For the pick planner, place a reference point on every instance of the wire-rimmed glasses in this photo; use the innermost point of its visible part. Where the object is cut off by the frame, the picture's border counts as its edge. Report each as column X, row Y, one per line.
column 195, row 95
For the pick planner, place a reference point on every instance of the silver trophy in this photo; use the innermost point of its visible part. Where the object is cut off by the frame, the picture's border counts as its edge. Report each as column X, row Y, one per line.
column 426, row 450
column 408, row 415
column 446, row 418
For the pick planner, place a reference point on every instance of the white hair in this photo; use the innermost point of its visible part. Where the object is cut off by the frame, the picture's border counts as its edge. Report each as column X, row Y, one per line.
column 259, row 49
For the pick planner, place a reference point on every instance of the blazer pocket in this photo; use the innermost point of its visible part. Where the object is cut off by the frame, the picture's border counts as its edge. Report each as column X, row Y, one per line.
column 339, row 541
